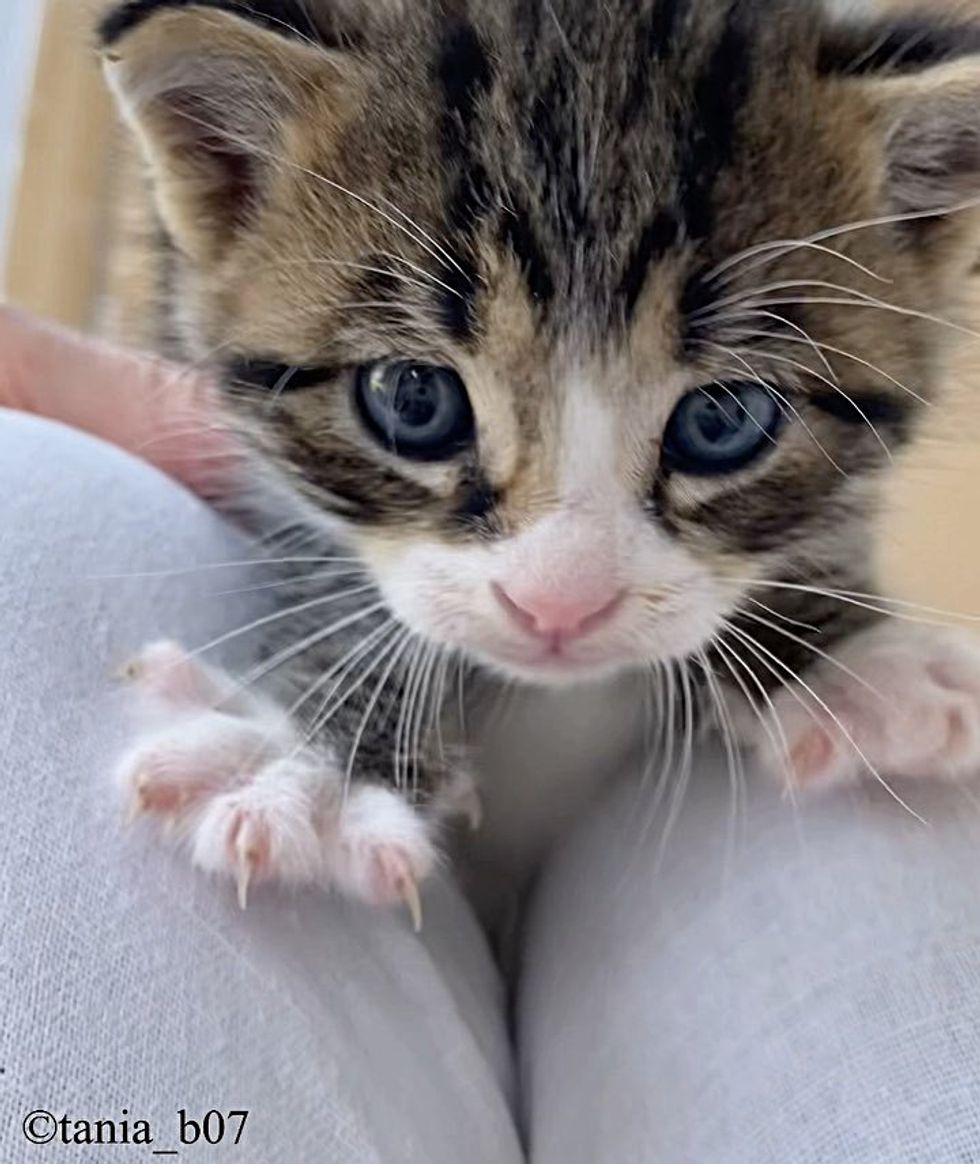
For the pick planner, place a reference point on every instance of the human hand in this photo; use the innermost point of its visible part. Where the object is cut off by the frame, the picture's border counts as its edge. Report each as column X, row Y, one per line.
column 160, row 411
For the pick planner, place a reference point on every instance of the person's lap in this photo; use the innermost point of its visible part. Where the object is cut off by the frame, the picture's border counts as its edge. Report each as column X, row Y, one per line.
column 130, row 982
column 804, row 990
column 808, row 992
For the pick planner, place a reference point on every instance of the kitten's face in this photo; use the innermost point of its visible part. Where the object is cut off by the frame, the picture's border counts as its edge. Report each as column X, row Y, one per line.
column 549, row 375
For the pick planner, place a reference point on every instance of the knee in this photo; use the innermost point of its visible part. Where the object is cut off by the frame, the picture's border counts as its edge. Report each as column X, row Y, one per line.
column 57, row 479
column 79, row 497
column 94, row 535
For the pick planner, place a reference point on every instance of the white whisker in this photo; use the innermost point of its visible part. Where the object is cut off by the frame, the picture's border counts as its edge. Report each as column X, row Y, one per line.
column 294, row 650
column 782, row 400
column 828, row 658
column 683, row 773
column 421, row 711
column 758, row 650
column 823, row 347
column 807, row 626
column 421, row 239
column 846, row 228
column 725, row 388
column 868, row 301
column 401, row 752
column 275, row 616
column 733, row 754
column 427, row 275
column 779, row 249
column 877, row 603
column 394, row 650
column 774, row 731
column 249, row 562
column 835, row 387
column 316, row 576
column 327, row 709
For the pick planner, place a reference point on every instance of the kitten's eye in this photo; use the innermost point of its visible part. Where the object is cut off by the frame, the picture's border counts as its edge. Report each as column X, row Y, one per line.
column 720, row 429
column 419, row 411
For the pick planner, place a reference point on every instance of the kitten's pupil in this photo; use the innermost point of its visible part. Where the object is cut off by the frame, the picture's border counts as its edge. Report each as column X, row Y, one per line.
column 416, row 410
column 415, row 398
column 714, row 422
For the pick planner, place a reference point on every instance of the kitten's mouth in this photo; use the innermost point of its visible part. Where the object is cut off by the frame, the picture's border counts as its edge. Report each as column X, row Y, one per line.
column 558, row 660
column 568, row 659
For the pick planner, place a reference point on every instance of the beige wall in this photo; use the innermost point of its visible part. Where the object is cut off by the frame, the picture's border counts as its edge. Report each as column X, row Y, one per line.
column 58, row 229
column 931, row 536
column 930, row 543
column 930, row 546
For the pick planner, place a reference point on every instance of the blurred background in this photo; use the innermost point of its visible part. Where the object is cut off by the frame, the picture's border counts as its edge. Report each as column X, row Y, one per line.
column 55, row 158
column 58, row 213
column 18, row 49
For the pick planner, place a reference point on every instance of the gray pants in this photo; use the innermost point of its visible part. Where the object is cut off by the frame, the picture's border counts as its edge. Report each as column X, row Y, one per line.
column 801, row 987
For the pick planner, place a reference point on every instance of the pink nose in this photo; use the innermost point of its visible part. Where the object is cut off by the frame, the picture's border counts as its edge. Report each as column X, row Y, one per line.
column 555, row 615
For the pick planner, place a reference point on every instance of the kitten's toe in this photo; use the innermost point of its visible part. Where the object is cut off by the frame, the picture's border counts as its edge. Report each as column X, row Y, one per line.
column 393, row 880
column 897, row 701
column 229, row 775
column 165, row 671
column 169, row 771
column 810, row 747
column 263, row 831
column 382, row 849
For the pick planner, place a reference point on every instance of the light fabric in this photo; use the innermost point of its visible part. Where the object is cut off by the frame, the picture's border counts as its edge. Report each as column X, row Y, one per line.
column 802, row 987
column 127, row 980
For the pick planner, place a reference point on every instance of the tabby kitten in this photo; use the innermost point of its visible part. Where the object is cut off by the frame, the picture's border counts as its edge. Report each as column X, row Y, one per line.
column 586, row 333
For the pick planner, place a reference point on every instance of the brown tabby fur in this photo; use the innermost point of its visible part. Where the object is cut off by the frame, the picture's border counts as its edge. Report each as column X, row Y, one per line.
column 516, row 188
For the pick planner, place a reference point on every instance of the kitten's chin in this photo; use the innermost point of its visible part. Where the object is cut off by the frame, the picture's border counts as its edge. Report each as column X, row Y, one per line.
column 550, row 668
column 557, row 672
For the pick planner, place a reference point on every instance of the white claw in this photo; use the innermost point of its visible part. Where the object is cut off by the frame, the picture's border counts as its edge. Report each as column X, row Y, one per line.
column 410, row 895
column 244, row 875
column 136, row 807
column 128, row 672
column 244, row 878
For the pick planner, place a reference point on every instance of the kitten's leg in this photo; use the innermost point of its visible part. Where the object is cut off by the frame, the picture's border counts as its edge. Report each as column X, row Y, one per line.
column 232, row 777
column 894, row 699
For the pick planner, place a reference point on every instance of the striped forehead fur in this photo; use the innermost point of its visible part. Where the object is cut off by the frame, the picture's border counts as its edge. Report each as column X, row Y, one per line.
column 516, row 187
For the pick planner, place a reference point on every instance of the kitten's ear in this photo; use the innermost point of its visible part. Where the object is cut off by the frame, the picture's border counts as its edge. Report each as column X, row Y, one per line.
column 210, row 96
column 931, row 124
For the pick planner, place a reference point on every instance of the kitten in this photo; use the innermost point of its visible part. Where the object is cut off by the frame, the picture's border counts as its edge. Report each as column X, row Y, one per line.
column 585, row 335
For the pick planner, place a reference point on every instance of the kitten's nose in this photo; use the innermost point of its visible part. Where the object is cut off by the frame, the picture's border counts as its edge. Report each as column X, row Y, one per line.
column 557, row 614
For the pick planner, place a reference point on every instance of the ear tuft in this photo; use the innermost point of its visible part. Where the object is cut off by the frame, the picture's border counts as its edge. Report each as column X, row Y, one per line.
column 932, row 136
column 921, row 72
column 208, row 95
column 286, row 17
column 340, row 24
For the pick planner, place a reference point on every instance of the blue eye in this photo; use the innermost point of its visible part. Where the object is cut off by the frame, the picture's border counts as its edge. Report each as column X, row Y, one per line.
column 720, row 429
column 419, row 411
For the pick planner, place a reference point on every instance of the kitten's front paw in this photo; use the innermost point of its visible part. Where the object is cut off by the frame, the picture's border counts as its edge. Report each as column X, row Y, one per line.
column 897, row 701
column 228, row 773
